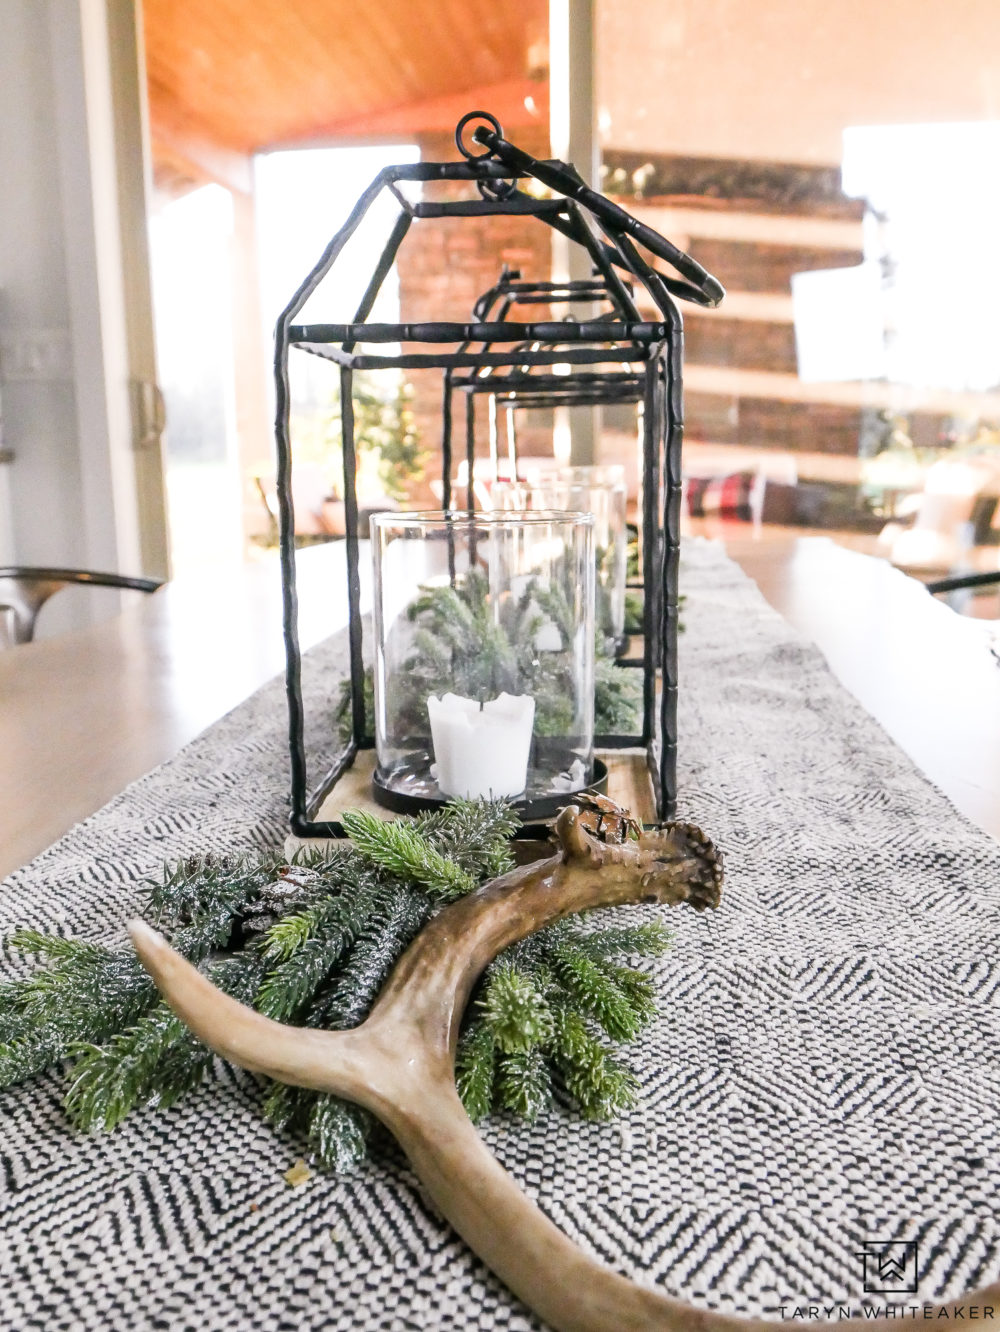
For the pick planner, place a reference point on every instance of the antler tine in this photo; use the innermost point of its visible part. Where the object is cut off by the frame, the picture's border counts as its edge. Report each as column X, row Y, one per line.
column 576, row 843
column 323, row 1060
column 680, row 858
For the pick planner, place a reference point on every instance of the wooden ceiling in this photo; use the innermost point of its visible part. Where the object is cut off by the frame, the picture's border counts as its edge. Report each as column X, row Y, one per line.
column 230, row 77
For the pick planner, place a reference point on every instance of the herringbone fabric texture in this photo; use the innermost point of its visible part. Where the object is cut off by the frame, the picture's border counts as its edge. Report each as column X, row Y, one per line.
column 826, row 1069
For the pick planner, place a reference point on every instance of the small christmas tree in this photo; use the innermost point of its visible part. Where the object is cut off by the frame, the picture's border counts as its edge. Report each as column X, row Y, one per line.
column 385, row 434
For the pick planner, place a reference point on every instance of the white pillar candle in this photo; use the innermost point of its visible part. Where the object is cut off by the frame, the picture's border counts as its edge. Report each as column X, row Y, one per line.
column 481, row 750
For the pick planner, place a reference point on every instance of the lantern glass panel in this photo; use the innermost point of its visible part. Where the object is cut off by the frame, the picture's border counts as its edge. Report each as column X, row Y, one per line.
column 484, row 655
column 599, row 490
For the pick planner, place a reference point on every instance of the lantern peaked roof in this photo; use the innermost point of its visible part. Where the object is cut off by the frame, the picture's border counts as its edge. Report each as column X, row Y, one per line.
column 610, row 236
column 528, row 385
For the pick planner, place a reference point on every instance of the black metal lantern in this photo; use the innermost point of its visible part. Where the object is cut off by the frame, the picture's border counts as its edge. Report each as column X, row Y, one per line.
column 597, row 347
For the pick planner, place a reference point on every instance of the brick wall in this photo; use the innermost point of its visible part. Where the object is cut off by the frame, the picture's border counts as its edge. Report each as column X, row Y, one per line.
column 444, row 265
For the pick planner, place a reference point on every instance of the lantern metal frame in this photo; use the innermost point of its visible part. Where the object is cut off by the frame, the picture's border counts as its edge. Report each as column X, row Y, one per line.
column 523, row 387
column 611, row 237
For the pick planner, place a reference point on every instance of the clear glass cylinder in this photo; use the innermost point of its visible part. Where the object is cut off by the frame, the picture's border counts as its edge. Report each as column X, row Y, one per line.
column 484, row 657
column 599, row 490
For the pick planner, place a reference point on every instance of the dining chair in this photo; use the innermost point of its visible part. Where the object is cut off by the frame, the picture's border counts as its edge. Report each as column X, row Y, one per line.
column 957, row 590
column 24, row 591
column 963, row 582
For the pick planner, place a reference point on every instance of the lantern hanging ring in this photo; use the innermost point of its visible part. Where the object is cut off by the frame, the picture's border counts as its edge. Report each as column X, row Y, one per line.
column 467, row 119
column 490, row 188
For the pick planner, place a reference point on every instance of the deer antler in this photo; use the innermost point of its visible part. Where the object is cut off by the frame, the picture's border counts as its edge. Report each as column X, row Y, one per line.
column 400, row 1062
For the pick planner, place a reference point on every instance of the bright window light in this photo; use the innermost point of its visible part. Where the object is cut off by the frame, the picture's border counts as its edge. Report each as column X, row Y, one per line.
column 935, row 190
column 303, row 197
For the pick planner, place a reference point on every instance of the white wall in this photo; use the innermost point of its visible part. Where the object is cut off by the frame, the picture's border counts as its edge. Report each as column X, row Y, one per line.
column 64, row 376
column 781, row 79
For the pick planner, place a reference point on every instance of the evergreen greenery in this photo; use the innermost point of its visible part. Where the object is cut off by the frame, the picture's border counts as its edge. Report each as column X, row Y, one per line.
column 634, row 621
column 312, row 942
column 342, row 709
column 633, row 613
column 458, row 647
column 385, row 427
column 461, row 645
column 543, row 1007
column 404, row 849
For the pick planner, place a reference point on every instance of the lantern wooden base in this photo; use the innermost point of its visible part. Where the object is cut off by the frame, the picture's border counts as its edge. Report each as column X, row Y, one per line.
column 629, row 785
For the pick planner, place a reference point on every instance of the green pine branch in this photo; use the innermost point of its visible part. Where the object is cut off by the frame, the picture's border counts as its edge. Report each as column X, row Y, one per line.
column 394, row 922
column 475, row 834
column 313, row 941
column 475, row 1069
column 617, row 697
column 633, row 612
column 463, row 645
column 334, row 926
column 399, row 847
column 646, row 939
column 525, row 1084
column 553, row 996
column 339, row 1132
column 157, row 1060
column 342, row 709
column 85, row 992
column 600, row 1085
column 515, row 1009
column 596, row 993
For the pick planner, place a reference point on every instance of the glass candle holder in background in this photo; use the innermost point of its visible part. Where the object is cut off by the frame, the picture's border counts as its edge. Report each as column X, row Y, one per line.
column 484, row 657
column 599, row 490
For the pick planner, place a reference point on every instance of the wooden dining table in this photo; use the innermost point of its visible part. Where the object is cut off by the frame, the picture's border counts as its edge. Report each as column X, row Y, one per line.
column 85, row 713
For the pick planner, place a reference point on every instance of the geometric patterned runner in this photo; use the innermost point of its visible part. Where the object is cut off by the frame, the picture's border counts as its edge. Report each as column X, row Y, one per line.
column 826, row 1070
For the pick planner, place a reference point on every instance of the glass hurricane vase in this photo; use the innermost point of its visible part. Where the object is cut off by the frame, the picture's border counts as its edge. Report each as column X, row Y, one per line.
column 484, row 657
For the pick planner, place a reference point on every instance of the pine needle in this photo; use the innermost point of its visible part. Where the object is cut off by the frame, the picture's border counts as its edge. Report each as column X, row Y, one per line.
column 332, row 928
column 314, row 941
column 339, row 1132
column 157, row 1060
column 515, row 1010
column 601, row 1086
column 648, row 939
column 88, row 992
column 525, row 1084
column 597, row 993
column 399, row 847
column 460, row 643
column 476, row 834
column 110, row 1080
column 57, row 947
column 395, row 917
column 475, row 1068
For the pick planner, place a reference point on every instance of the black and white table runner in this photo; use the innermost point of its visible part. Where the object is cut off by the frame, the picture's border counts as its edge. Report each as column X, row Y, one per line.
column 826, row 1070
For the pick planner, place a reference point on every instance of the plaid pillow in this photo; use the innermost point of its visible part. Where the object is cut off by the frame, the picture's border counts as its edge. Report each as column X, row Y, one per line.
column 727, row 496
